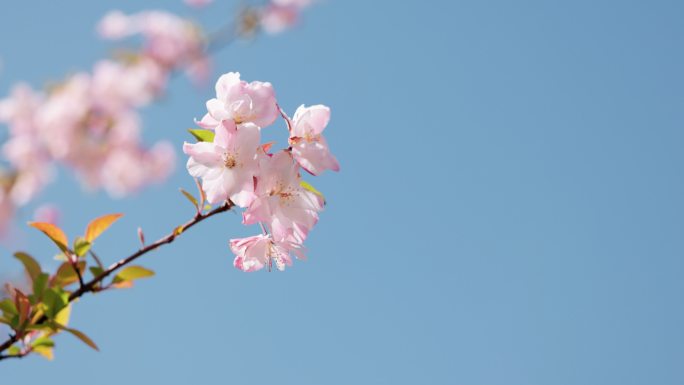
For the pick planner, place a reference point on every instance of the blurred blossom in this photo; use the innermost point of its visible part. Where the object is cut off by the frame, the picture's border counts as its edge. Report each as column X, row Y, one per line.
column 47, row 213
column 6, row 211
column 279, row 15
column 198, row 3
column 169, row 41
column 90, row 123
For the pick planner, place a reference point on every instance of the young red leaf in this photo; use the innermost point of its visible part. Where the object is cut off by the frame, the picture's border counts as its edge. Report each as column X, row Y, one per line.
column 23, row 306
column 141, row 236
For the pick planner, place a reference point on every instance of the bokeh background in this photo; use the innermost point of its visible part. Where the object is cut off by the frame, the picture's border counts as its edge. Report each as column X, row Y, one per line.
column 509, row 209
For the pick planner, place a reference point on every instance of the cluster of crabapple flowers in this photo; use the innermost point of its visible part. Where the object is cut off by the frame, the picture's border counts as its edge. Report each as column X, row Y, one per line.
column 170, row 42
column 235, row 166
column 90, row 122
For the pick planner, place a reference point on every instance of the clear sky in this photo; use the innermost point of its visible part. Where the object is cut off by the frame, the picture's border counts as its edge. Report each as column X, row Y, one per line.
column 509, row 210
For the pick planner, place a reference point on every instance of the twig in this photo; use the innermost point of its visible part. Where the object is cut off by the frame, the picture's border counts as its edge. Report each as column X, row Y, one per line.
column 90, row 286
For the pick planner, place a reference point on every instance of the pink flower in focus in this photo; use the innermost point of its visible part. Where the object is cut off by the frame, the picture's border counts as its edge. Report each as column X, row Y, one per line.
column 253, row 253
column 228, row 165
column 288, row 209
column 242, row 102
column 309, row 147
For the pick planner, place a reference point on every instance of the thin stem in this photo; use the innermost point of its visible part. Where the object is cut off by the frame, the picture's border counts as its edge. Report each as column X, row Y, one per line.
column 91, row 286
column 97, row 260
column 74, row 265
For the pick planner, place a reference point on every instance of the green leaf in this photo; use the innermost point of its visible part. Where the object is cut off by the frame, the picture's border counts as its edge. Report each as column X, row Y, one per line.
column 132, row 273
column 66, row 275
column 53, row 232
column 191, row 198
column 8, row 307
column 64, row 315
column 98, row 225
column 39, row 285
column 13, row 351
column 31, row 265
column 45, row 351
column 96, row 271
column 311, row 188
column 202, row 135
column 81, row 246
column 43, row 341
column 55, row 299
column 81, row 336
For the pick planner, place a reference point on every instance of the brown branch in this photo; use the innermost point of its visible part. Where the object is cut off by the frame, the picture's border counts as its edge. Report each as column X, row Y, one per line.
column 19, row 355
column 74, row 265
column 91, row 286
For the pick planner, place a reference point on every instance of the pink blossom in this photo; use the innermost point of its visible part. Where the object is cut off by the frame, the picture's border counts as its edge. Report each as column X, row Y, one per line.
column 169, row 40
column 119, row 86
column 127, row 169
column 24, row 149
column 253, row 253
column 242, row 102
column 198, row 3
column 19, row 109
column 88, row 122
column 309, row 147
column 289, row 210
column 228, row 165
column 116, row 25
column 6, row 211
column 47, row 213
column 280, row 15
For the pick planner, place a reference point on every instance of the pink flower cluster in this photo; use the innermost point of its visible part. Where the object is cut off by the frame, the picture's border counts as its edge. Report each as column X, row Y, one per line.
column 170, row 42
column 90, row 121
column 279, row 15
column 236, row 166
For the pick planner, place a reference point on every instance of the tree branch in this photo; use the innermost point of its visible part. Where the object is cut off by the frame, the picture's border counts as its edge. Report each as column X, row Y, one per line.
column 90, row 286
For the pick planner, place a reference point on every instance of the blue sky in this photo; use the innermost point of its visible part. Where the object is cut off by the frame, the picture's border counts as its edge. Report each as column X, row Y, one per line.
column 509, row 209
